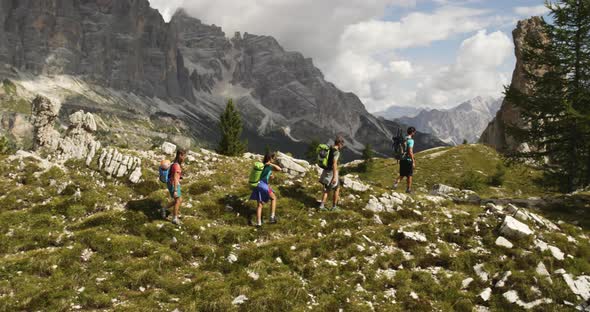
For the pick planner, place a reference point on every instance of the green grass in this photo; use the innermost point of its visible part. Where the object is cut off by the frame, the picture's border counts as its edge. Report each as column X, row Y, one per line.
column 142, row 263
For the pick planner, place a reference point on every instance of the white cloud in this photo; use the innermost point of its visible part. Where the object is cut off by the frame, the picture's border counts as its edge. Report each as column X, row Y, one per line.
column 166, row 7
column 537, row 10
column 476, row 71
column 404, row 68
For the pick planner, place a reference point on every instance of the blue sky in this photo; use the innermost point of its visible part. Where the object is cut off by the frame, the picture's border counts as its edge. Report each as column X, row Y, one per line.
column 426, row 53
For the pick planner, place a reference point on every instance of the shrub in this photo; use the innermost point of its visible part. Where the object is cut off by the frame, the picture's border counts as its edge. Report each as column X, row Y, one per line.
column 499, row 176
column 471, row 180
column 6, row 147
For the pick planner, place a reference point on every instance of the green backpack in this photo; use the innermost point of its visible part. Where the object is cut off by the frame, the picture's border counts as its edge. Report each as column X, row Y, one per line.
column 255, row 174
column 323, row 152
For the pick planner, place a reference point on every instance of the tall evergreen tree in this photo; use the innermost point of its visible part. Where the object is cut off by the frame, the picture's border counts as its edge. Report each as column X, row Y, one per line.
column 231, row 130
column 557, row 108
column 368, row 155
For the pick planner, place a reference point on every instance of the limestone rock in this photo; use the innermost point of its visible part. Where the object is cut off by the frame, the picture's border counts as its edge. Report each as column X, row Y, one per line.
column 514, row 228
column 503, row 242
column 168, row 148
column 290, row 165
column 495, row 134
column 415, row 236
column 351, row 182
column 542, row 271
column 44, row 115
column 485, row 294
column 441, row 189
column 481, row 273
column 579, row 286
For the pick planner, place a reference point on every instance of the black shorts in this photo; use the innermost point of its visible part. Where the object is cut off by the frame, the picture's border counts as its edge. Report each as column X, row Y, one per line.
column 406, row 167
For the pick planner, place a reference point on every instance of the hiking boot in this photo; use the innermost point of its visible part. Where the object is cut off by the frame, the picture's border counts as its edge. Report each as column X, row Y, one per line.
column 163, row 212
column 258, row 226
column 273, row 220
column 324, row 209
column 335, row 209
column 176, row 221
column 395, row 186
column 409, row 191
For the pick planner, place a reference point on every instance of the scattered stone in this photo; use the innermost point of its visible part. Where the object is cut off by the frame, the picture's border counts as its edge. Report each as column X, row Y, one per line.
column 239, row 300
column 579, row 286
column 253, row 275
column 503, row 242
column 350, row 182
column 168, row 148
column 232, row 258
column 414, row 295
column 502, row 282
column 86, row 254
column 511, row 296
column 377, row 220
column 556, row 252
column 465, row 283
column 441, row 189
column 415, row 236
column 291, row 165
column 374, row 205
column 514, row 228
column 279, row 260
column 483, row 275
column 486, row 294
column 542, row 271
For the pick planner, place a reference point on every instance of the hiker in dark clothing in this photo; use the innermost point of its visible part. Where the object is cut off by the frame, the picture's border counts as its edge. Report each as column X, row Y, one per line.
column 330, row 178
column 407, row 163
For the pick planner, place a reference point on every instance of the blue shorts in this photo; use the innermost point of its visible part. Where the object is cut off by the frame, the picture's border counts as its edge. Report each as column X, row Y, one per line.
column 171, row 190
column 261, row 193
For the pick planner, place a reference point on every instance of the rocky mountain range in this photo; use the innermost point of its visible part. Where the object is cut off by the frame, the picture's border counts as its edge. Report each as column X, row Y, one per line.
column 122, row 61
column 463, row 122
column 394, row 112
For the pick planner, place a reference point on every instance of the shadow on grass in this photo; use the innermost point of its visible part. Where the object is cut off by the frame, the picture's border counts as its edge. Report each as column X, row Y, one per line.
column 149, row 207
column 572, row 209
column 239, row 204
column 297, row 192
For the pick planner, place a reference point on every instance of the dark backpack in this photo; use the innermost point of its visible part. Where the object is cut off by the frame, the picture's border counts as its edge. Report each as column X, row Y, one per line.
column 399, row 145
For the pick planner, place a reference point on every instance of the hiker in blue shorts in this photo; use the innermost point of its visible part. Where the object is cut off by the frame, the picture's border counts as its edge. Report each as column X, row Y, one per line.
column 263, row 192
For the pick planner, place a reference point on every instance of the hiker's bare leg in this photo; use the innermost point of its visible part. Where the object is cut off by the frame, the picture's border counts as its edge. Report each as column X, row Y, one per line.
column 336, row 195
column 324, row 197
column 259, row 213
column 177, row 203
column 273, row 204
column 409, row 183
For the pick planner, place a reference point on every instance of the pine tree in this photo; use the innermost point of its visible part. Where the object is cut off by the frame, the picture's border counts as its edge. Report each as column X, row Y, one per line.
column 231, row 130
column 557, row 108
column 368, row 155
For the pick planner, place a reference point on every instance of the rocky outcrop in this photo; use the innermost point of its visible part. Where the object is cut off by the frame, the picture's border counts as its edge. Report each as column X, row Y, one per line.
column 496, row 134
column 125, row 45
column 464, row 122
column 44, row 116
column 79, row 142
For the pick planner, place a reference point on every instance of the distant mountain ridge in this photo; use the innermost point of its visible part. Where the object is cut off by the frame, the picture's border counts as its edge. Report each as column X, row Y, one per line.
column 463, row 122
column 395, row 112
column 184, row 70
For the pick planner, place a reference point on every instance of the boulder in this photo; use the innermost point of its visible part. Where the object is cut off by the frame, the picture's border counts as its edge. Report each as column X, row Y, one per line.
column 415, row 236
column 483, row 275
column 168, row 148
column 503, row 242
column 514, row 228
column 289, row 164
column 441, row 189
column 374, row 205
column 542, row 271
column 350, row 182
column 579, row 286
column 486, row 294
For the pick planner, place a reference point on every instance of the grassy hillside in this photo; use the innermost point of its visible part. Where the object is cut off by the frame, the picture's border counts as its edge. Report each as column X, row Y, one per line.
column 73, row 239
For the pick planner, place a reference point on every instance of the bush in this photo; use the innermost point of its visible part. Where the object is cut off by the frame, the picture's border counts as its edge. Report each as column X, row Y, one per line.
column 6, row 147
column 499, row 176
column 471, row 180
column 368, row 155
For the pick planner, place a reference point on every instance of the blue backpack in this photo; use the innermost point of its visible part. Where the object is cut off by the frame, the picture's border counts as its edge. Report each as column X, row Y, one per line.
column 165, row 174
